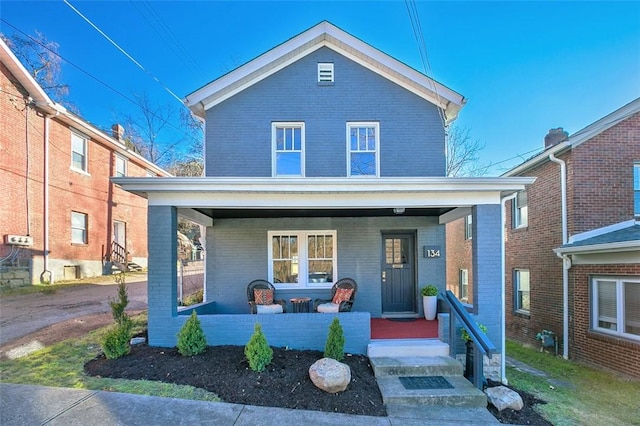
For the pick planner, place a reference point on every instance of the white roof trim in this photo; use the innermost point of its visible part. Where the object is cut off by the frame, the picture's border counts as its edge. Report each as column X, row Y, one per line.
column 325, row 35
column 604, row 230
column 623, row 246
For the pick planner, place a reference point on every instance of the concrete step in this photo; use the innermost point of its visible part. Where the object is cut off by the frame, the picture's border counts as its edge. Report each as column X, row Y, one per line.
column 407, row 348
column 416, row 366
column 463, row 393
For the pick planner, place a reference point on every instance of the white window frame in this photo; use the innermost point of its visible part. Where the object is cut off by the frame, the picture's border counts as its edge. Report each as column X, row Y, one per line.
column 516, row 291
column 620, row 306
column 274, row 147
column 84, row 228
column 376, row 151
column 325, row 73
column 636, row 189
column 303, row 258
column 85, row 154
column 123, row 161
column 468, row 227
column 463, row 284
column 520, row 213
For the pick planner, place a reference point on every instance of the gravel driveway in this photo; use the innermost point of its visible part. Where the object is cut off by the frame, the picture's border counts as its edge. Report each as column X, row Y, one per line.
column 22, row 315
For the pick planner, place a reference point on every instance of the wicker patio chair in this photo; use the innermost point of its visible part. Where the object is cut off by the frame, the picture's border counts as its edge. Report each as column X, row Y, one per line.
column 328, row 305
column 277, row 307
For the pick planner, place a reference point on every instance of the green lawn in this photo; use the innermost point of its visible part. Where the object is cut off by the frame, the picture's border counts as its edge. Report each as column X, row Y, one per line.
column 591, row 396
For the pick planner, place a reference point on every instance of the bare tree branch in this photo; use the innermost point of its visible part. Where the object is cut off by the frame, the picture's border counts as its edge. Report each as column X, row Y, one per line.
column 463, row 153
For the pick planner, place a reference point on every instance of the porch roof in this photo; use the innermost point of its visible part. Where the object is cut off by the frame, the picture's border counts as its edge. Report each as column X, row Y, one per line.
column 266, row 197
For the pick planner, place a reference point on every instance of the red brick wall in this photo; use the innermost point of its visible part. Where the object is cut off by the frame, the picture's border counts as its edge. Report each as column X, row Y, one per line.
column 21, row 173
column 459, row 256
column 593, row 347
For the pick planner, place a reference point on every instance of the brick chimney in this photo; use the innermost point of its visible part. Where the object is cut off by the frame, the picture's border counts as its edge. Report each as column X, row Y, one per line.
column 554, row 137
column 117, row 131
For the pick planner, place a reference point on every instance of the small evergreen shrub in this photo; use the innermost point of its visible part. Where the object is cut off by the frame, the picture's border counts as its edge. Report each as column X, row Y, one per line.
column 334, row 348
column 191, row 339
column 115, row 343
column 119, row 304
column 257, row 351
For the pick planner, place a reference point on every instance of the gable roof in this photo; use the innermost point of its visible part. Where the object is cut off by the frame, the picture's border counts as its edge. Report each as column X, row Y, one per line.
column 47, row 105
column 579, row 137
column 328, row 35
column 621, row 237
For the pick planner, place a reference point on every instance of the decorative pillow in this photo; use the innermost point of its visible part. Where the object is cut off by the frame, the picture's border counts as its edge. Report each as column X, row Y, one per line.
column 342, row 295
column 263, row 296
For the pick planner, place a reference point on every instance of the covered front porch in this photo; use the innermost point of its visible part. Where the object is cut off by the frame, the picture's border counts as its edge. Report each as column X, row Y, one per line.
column 387, row 230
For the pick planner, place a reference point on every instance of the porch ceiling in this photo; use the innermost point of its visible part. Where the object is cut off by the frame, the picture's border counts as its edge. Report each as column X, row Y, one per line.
column 277, row 213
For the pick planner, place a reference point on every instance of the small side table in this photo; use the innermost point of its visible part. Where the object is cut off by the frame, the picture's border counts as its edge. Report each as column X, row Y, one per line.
column 300, row 304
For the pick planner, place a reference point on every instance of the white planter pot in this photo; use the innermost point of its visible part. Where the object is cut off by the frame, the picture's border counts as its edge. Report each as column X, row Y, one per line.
column 430, row 305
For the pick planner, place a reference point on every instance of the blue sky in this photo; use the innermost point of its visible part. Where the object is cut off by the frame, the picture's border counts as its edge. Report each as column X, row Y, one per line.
column 525, row 67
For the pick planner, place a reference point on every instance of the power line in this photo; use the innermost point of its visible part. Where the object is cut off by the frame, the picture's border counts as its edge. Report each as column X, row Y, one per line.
column 123, row 51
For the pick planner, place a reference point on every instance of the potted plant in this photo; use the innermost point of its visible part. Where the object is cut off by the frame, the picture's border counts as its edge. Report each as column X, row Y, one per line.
column 430, row 301
column 468, row 364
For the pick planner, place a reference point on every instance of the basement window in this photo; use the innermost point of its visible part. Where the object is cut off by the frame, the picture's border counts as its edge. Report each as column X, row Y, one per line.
column 325, row 73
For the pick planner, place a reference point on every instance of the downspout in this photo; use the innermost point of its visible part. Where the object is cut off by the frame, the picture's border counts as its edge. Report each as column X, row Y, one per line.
column 45, row 181
column 503, row 297
column 566, row 262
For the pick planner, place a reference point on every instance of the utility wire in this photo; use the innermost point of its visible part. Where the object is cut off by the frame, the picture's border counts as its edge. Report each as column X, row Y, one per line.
column 123, row 51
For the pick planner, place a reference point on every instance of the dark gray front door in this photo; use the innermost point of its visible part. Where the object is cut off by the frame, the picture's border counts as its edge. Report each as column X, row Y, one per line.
column 398, row 274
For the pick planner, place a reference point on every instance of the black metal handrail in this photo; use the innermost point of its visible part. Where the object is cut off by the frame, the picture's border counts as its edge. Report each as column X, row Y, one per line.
column 118, row 253
column 482, row 345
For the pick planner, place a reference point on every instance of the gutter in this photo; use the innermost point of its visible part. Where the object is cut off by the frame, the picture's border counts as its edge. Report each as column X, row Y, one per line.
column 503, row 297
column 566, row 261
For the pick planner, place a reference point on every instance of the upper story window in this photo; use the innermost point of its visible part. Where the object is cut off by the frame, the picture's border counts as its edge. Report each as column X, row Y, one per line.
column 468, row 227
column 302, row 258
column 288, row 149
column 520, row 210
column 78, row 152
column 363, row 141
column 121, row 166
column 78, row 228
column 325, row 73
column 636, row 189
column 149, row 173
column 521, row 290
column 615, row 304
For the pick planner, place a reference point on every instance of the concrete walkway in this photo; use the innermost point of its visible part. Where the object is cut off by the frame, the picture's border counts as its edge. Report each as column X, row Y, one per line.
column 40, row 405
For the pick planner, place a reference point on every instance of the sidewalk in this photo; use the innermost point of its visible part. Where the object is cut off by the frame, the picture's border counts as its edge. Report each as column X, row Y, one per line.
column 39, row 405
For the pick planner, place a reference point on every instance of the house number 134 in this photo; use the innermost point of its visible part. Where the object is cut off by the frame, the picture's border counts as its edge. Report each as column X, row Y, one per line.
column 431, row 252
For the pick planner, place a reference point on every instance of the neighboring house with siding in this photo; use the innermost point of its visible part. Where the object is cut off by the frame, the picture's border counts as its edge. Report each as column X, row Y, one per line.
column 324, row 159
column 573, row 260
column 61, row 216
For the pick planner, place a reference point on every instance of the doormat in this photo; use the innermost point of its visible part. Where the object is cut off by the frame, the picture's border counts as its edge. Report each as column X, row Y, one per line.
column 425, row 382
column 402, row 319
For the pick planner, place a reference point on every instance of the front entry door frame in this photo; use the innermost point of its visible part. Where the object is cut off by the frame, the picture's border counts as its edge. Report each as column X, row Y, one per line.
column 398, row 280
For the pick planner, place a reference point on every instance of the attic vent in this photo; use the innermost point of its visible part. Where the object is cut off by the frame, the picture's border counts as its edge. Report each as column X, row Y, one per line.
column 325, row 73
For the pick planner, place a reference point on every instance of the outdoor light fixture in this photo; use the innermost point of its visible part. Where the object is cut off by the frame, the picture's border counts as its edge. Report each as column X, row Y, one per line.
column 398, row 210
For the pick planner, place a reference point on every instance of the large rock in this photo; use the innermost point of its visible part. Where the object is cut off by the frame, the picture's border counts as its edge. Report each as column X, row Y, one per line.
column 502, row 397
column 330, row 375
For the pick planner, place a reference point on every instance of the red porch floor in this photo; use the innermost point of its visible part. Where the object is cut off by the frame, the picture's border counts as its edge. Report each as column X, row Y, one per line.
column 418, row 328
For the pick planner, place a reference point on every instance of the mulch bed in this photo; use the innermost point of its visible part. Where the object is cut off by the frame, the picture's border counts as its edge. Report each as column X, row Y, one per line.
column 224, row 371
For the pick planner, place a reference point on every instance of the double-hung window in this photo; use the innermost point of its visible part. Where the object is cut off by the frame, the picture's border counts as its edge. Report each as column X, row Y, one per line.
column 464, row 285
column 468, row 227
column 363, row 142
column 288, row 149
column 521, row 290
column 78, row 152
column 121, row 166
column 636, row 189
column 302, row 258
column 78, row 228
column 520, row 210
column 615, row 305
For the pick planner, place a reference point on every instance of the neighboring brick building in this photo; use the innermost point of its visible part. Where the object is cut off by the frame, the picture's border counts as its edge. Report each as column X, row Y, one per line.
column 56, row 188
column 580, row 281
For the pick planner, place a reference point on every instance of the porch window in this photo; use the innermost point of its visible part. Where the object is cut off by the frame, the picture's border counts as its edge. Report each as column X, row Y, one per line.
column 521, row 290
column 302, row 258
column 363, row 140
column 520, row 210
column 78, row 228
column 288, row 149
column 636, row 189
column 78, row 153
column 464, row 285
column 468, row 227
column 615, row 306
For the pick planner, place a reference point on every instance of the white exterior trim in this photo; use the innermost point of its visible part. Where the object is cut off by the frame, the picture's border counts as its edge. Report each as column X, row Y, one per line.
column 604, row 230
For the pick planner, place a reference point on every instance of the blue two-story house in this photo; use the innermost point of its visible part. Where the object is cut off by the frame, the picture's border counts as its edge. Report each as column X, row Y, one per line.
column 324, row 158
